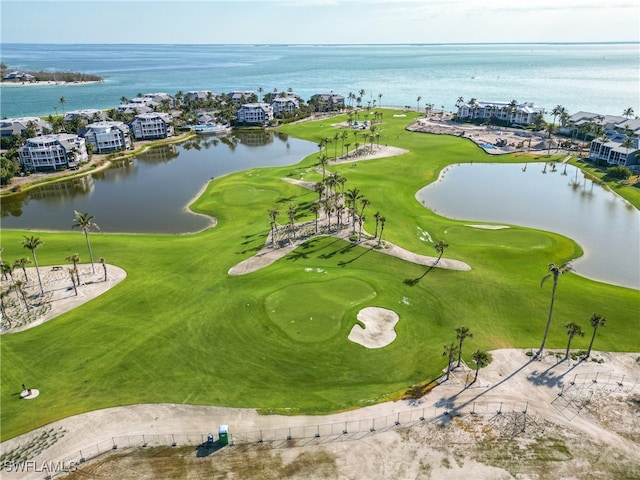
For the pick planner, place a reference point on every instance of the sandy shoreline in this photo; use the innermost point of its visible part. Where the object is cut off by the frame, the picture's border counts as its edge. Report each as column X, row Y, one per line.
column 47, row 83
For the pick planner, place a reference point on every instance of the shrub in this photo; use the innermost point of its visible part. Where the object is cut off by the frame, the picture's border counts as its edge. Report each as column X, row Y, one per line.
column 619, row 172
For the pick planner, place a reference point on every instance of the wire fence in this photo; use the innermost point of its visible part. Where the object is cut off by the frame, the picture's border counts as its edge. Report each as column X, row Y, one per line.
column 509, row 418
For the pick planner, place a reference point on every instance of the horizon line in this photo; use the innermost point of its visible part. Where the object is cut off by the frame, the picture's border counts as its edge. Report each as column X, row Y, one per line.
column 311, row 44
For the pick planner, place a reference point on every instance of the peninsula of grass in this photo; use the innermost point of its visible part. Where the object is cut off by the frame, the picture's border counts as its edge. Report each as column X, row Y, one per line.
column 181, row 329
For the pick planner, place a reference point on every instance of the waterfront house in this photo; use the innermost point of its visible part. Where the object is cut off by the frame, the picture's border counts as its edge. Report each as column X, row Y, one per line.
column 614, row 149
column 160, row 99
column 589, row 124
column 19, row 77
column 327, row 102
column 255, row 113
column 520, row 114
column 53, row 152
column 87, row 115
column 199, row 95
column 134, row 108
column 239, row 98
column 107, row 137
column 152, row 125
column 284, row 105
column 15, row 126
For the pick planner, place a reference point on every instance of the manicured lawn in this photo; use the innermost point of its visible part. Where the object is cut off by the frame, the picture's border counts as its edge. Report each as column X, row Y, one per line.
column 180, row 329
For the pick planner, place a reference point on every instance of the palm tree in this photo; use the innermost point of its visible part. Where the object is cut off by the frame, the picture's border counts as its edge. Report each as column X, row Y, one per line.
column 62, row 102
column 462, row 333
column 628, row 112
column 573, row 329
column 352, row 196
column 273, row 214
column 291, row 212
column 364, row 203
column 557, row 111
column 323, row 160
column 19, row 287
column 380, row 100
column 440, row 247
column 75, row 259
column 315, row 208
column 260, row 90
column 32, row 243
column 86, row 223
column 343, row 136
column 555, row 273
column 104, row 267
column 481, row 359
column 22, row 263
column 73, row 271
column 382, row 222
column 335, row 145
column 376, row 216
column 319, row 188
column 596, row 321
column 449, row 351
column 361, row 220
column 418, row 102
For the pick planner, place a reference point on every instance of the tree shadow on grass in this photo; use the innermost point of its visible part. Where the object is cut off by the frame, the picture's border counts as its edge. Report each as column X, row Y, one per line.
column 347, row 262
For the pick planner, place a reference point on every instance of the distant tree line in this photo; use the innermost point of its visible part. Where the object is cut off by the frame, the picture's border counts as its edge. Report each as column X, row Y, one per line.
column 42, row 76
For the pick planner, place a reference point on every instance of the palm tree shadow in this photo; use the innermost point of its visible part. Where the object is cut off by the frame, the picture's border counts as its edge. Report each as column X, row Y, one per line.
column 414, row 281
column 347, row 262
column 550, row 380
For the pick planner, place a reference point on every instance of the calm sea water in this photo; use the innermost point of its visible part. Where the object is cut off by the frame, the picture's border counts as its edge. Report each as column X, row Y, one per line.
column 601, row 78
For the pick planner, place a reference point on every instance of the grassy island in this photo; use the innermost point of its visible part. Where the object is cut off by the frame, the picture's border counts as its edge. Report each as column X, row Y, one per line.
column 180, row 329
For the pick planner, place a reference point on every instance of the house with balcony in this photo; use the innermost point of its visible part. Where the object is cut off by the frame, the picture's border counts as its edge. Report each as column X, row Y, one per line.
column 53, row 152
column 327, row 102
column 240, row 98
column 284, row 106
column 521, row 114
column 15, row 126
column 107, row 137
column 86, row 115
column 255, row 113
column 152, row 125
column 615, row 149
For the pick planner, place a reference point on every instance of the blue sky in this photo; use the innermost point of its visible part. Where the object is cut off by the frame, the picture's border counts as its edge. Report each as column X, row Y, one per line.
column 318, row 21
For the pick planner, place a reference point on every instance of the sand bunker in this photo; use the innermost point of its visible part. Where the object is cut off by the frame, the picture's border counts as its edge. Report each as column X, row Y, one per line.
column 488, row 227
column 378, row 328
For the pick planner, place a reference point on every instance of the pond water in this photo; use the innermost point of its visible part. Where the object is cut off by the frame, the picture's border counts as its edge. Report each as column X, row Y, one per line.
column 150, row 193
column 558, row 199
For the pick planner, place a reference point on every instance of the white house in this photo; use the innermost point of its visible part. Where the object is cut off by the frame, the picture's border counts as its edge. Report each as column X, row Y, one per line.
column 327, row 101
column 147, row 126
column 521, row 114
column 614, row 150
column 15, row 126
column 239, row 98
column 134, row 108
column 51, row 152
column 107, row 136
column 89, row 115
column 158, row 99
column 286, row 105
column 255, row 113
column 199, row 95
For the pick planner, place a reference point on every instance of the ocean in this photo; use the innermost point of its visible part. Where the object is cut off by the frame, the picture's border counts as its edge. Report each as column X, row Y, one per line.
column 600, row 78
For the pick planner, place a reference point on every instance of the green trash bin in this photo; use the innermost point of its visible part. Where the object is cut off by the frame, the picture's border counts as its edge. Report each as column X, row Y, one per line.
column 223, row 435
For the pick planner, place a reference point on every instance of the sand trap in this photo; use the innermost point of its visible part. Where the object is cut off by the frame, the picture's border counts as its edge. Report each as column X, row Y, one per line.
column 378, row 328
column 488, row 227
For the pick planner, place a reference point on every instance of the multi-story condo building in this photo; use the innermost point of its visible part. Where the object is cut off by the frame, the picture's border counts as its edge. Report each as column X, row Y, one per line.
column 255, row 113
column 147, row 126
column 520, row 114
column 107, row 137
column 328, row 101
column 240, row 98
column 615, row 149
column 52, row 152
column 282, row 105
column 87, row 115
column 15, row 126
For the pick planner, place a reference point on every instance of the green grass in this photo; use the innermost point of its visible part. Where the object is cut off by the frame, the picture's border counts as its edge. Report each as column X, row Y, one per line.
column 180, row 329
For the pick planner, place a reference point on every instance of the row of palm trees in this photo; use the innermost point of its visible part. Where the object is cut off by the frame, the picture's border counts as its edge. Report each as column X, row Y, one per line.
column 572, row 328
column 85, row 222
column 450, row 350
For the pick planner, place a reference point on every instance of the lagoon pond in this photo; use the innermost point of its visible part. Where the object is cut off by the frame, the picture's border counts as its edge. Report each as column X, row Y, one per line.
column 556, row 198
column 151, row 193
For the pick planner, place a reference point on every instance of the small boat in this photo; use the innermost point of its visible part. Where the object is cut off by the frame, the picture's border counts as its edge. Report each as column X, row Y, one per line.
column 211, row 129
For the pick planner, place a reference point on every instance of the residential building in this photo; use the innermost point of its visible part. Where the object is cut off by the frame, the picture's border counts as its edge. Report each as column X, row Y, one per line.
column 19, row 77
column 52, row 152
column 15, row 126
column 147, row 126
column 107, row 137
column 240, row 98
column 326, row 102
column 284, row 105
column 158, row 99
column 614, row 149
column 199, row 95
column 589, row 124
column 87, row 115
column 134, row 108
column 520, row 114
column 255, row 113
